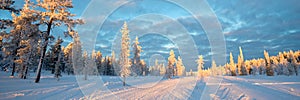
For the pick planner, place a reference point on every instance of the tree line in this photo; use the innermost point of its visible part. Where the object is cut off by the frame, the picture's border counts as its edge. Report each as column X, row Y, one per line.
column 285, row 63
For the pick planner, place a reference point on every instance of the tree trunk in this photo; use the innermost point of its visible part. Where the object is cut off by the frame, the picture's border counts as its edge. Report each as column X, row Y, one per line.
column 37, row 80
column 85, row 74
column 14, row 64
column 25, row 75
column 296, row 69
column 57, row 67
column 124, row 80
column 14, row 68
column 22, row 71
column 169, row 73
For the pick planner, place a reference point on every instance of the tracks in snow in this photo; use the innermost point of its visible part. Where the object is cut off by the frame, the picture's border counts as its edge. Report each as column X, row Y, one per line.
column 169, row 89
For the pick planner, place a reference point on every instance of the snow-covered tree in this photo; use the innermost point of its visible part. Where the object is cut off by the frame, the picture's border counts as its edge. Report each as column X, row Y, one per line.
column 155, row 70
column 262, row 66
column 20, row 39
column 86, row 67
column 254, row 66
column 5, row 24
column 213, row 68
column 68, row 58
column 54, row 53
column 171, row 62
column 54, row 13
column 98, row 62
column 191, row 72
column 125, row 52
column 11, row 48
column 200, row 67
column 57, row 72
column 152, row 70
column 136, row 60
column 92, row 64
column 103, row 66
column 62, row 60
column 275, row 64
column 77, row 59
column 162, row 70
column 27, row 52
column 1, row 52
column 269, row 69
column 180, row 69
column 222, row 70
column 227, row 69
column 108, row 70
column 293, row 64
column 232, row 65
column 248, row 67
column 144, row 68
column 23, row 57
column 283, row 65
column 240, row 64
column 280, row 67
column 114, row 65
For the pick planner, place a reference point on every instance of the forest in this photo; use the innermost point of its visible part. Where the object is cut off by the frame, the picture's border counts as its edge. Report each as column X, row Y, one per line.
column 28, row 45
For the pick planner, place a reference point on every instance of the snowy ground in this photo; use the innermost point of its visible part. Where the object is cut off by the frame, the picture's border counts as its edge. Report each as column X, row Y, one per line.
column 243, row 88
column 259, row 87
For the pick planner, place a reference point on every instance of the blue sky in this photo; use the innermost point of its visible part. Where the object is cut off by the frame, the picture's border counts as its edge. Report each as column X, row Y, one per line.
column 256, row 25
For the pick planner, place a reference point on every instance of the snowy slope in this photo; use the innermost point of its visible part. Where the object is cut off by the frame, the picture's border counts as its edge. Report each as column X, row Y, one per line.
column 227, row 87
column 48, row 88
column 260, row 87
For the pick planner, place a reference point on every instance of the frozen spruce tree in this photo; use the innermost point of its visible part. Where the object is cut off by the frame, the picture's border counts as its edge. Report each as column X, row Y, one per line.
column 162, row 70
column 214, row 68
column 241, row 64
column 57, row 54
column 125, row 52
column 54, row 13
column 269, row 69
column 23, row 59
column 155, row 70
column 57, row 72
column 68, row 58
column 18, row 43
column 1, row 52
column 171, row 62
column 98, row 62
column 232, row 65
column 282, row 66
column 103, row 66
column 86, row 67
column 8, row 54
column 200, row 67
column 92, row 64
column 114, row 64
column 54, row 53
column 293, row 66
column 136, row 61
column 180, row 69
column 77, row 59
column 248, row 67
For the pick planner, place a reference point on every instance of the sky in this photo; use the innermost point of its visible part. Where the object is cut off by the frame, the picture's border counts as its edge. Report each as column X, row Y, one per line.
column 256, row 25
